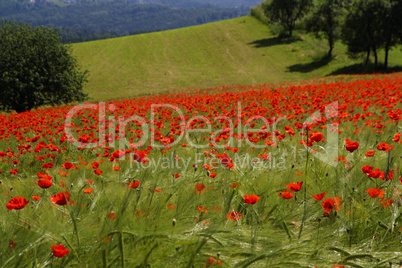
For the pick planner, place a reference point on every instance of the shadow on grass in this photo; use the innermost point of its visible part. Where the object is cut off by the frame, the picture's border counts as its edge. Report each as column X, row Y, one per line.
column 309, row 67
column 274, row 41
column 365, row 69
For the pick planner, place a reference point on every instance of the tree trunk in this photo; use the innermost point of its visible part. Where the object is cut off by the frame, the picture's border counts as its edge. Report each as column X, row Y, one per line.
column 331, row 45
column 386, row 58
column 387, row 45
column 330, row 51
column 375, row 57
column 367, row 57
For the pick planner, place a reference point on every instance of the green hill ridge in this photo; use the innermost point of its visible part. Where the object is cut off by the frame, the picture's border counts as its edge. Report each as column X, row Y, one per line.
column 236, row 51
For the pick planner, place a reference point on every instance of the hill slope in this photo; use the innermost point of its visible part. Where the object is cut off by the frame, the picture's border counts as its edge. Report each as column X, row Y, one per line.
column 237, row 51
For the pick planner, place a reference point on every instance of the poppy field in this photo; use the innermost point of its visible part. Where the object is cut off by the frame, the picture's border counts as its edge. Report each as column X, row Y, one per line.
column 273, row 175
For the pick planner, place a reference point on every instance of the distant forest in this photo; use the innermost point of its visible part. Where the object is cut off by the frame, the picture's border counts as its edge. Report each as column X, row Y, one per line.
column 85, row 20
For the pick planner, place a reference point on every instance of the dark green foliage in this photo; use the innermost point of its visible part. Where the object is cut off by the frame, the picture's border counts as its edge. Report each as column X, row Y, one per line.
column 286, row 12
column 371, row 25
column 324, row 21
column 36, row 69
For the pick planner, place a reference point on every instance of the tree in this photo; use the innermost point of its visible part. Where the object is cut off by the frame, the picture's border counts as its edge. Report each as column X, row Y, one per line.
column 286, row 12
column 324, row 21
column 353, row 31
column 391, row 25
column 36, row 68
column 371, row 25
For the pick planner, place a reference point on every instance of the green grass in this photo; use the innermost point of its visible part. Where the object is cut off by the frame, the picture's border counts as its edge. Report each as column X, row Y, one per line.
column 237, row 51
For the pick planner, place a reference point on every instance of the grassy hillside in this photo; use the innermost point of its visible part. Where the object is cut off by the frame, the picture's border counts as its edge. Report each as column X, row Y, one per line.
column 237, row 51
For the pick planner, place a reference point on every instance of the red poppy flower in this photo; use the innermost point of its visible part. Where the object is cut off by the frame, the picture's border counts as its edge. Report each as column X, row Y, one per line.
column 397, row 137
column 118, row 154
column 14, row 171
column 98, row 172
column 285, row 194
column 376, row 193
column 134, row 184
column 45, row 183
column 95, row 164
column 369, row 153
column 12, row 244
column 200, row 188
column 234, row 216
column 48, row 165
column 367, row 169
column 170, row 206
column 202, row 209
column 17, row 203
column 36, row 197
column 116, row 168
column 88, row 190
column 389, row 177
column 386, row 202
column 330, row 204
column 319, row 196
column 316, row 137
column 233, row 185
column 207, row 167
column 251, row 199
column 352, row 146
column 295, row 186
column 384, row 147
column 61, row 198
column 43, row 176
column 212, row 262
column 112, row 216
column 212, row 175
column 176, row 176
column 59, row 251
column 67, row 165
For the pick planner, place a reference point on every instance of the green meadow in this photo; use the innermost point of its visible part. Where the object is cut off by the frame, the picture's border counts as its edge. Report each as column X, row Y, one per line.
column 236, row 51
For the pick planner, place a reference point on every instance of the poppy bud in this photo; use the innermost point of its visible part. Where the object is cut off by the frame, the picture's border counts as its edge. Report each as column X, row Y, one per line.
column 195, row 166
column 71, row 185
column 218, row 255
column 174, row 222
column 208, row 173
column 1, row 181
column 293, row 166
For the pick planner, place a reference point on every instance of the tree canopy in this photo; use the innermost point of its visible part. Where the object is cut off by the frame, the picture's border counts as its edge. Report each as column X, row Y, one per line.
column 324, row 21
column 36, row 68
column 286, row 12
